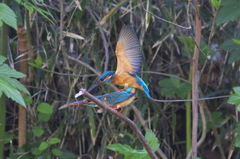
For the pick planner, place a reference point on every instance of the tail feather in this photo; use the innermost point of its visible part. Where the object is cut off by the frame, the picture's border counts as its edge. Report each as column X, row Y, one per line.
column 145, row 87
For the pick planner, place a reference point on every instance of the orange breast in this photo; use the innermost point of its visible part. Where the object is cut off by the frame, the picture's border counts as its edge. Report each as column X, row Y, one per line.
column 126, row 81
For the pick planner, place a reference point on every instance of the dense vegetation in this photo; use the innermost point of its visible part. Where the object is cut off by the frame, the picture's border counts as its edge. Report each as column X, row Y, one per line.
column 70, row 43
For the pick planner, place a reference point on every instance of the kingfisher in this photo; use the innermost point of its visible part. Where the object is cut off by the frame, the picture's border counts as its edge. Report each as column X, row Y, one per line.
column 129, row 61
column 116, row 100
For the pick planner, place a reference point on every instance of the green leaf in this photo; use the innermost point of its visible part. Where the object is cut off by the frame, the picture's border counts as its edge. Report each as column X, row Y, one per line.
column 7, row 16
column 43, row 117
column 57, row 152
column 234, row 56
column 216, row 3
column 54, row 141
column 171, row 86
column 45, row 108
column 236, row 41
column 43, row 146
column 234, row 99
column 38, row 62
column 236, row 90
column 10, row 91
column 127, row 150
column 152, row 140
column 38, row 131
column 9, row 72
column 2, row 59
column 67, row 155
column 229, row 11
column 15, row 83
column 27, row 99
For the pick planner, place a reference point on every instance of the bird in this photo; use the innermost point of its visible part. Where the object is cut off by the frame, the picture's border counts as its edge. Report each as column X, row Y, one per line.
column 129, row 61
column 116, row 100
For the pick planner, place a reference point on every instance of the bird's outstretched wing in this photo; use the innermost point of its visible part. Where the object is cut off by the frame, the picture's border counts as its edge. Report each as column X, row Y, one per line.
column 129, row 57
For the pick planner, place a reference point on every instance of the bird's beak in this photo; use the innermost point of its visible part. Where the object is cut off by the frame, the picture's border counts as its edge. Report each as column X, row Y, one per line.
column 71, row 104
column 92, row 87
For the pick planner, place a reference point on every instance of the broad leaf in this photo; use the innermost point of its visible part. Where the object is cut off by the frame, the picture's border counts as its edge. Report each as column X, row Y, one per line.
column 43, row 146
column 57, row 152
column 54, row 141
column 171, row 86
column 2, row 59
column 45, row 108
column 38, row 131
column 10, row 91
column 229, row 11
column 7, row 71
column 152, row 140
column 7, row 16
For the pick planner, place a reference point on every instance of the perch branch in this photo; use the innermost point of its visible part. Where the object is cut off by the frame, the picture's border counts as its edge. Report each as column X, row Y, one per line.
column 130, row 123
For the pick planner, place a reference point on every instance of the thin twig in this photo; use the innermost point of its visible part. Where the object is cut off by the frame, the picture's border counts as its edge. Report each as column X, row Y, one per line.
column 185, row 100
column 130, row 123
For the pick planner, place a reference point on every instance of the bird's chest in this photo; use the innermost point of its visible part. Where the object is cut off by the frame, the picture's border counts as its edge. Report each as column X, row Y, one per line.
column 125, row 80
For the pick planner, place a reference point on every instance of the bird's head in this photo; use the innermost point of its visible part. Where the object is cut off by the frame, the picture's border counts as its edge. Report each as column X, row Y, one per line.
column 104, row 78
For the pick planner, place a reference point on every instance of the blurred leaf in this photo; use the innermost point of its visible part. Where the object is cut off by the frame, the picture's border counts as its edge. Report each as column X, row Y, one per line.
column 54, row 141
column 57, row 152
column 92, row 124
column 2, row 59
column 128, row 151
column 38, row 62
column 235, row 98
column 152, row 140
column 7, row 137
column 190, row 47
column 67, row 155
column 7, row 16
column 45, row 108
column 147, row 15
column 237, row 138
column 216, row 3
column 111, row 12
column 38, row 131
column 43, row 146
column 236, row 41
column 229, row 11
column 43, row 117
column 171, row 86
column 32, row 7
column 45, row 155
column 36, row 151
column 27, row 99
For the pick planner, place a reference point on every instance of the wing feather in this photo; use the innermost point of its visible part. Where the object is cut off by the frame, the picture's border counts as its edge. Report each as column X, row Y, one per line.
column 129, row 57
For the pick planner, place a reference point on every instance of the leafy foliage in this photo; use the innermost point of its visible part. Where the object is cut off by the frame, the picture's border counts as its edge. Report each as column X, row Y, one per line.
column 173, row 86
column 131, row 153
column 8, row 83
column 233, row 47
column 7, row 16
column 229, row 11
